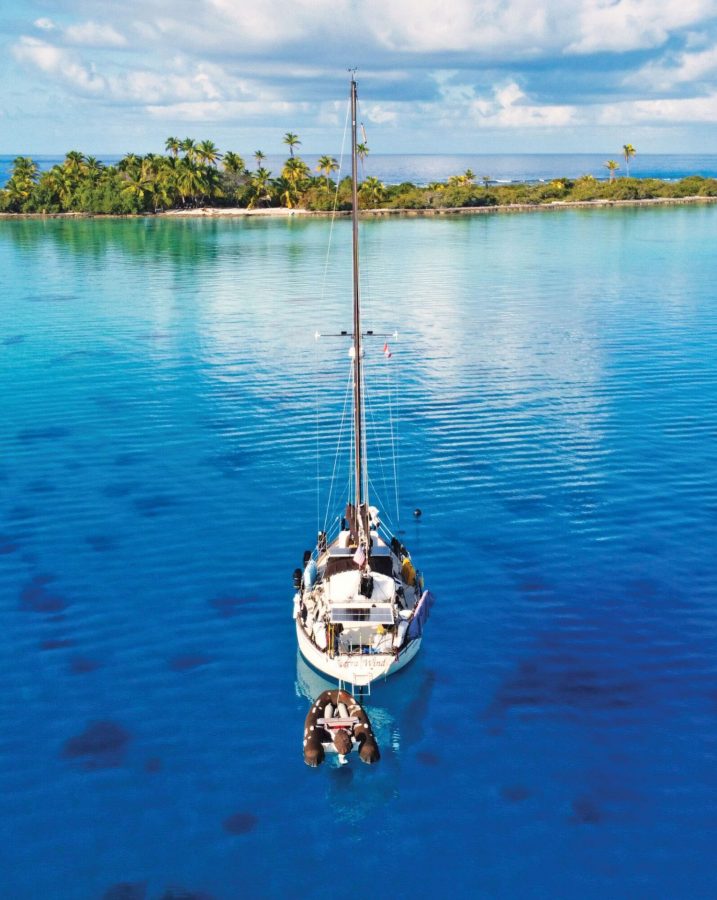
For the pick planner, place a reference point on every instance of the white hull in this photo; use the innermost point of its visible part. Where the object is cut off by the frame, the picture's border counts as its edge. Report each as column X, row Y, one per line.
column 356, row 670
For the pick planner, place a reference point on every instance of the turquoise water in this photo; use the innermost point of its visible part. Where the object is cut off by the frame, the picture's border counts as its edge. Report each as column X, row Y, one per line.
column 555, row 379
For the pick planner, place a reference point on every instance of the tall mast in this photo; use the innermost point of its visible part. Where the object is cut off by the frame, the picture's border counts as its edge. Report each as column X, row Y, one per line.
column 358, row 409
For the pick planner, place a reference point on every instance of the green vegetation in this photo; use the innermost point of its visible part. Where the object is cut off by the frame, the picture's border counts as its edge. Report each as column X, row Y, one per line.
column 195, row 174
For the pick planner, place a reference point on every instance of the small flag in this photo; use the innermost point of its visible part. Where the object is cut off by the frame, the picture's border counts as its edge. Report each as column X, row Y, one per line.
column 387, row 351
column 360, row 556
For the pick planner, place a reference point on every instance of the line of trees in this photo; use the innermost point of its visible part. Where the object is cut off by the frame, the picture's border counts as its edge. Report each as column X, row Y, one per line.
column 194, row 174
column 191, row 174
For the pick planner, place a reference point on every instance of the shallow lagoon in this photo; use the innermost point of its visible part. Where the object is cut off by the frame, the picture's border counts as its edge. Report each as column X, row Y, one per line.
column 556, row 379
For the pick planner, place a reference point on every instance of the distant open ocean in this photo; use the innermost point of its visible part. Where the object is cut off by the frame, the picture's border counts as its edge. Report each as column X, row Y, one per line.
column 424, row 168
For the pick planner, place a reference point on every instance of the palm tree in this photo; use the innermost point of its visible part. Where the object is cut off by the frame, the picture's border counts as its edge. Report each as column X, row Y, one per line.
column 128, row 162
column 233, row 163
column 468, row 177
column 173, row 145
column 190, row 180
column 327, row 165
column 136, row 185
column 74, row 163
column 22, row 181
column 165, row 187
column 94, row 167
column 23, row 167
column 259, row 187
column 292, row 140
column 207, row 152
column 60, row 184
column 612, row 167
column 373, row 191
column 628, row 151
column 362, row 151
column 259, row 157
column 294, row 174
column 188, row 148
column 486, row 179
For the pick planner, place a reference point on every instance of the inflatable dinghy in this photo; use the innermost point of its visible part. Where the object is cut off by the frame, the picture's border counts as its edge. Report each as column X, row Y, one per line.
column 337, row 723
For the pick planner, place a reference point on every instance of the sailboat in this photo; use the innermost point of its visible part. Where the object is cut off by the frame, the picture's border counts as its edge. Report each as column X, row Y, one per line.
column 360, row 604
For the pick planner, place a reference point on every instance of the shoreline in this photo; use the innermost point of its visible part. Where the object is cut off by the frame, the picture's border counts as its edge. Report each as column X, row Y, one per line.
column 219, row 212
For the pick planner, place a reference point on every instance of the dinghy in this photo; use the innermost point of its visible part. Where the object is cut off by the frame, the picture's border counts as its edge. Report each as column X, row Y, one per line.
column 337, row 723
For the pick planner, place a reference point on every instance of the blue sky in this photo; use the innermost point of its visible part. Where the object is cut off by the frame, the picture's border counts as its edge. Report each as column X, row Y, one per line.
column 453, row 76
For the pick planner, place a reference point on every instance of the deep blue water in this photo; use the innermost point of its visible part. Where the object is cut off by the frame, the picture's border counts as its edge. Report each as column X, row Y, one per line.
column 555, row 381
column 424, row 168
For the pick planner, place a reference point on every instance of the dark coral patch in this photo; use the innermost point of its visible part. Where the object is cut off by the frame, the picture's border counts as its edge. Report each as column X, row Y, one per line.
column 56, row 644
column 21, row 513
column 514, row 793
column 427, row 758
column 81, row 665
column 128, row 458
column 41, row 486
column 229, row 606
column 13, row 339
column 101, row 745
column 119, row 488
column 7, row 544
column 187, row 661
column 533, row 586
column 101, row 542
column 585, row 812
column 50, row 433
column 50, row 298
column 180, row 893
column 154, row 505
column 229, row 464
column 240, row 823
column 153, row 765
column 38, row 597
column 126, row 890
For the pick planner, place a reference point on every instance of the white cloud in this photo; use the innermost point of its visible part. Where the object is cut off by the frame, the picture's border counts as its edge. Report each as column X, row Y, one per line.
column 379, row 114
column 677, row 69
column 94, row 34
column 223, row 111
column 57, row 62
column 690, row 110
column 506, row 106
column 142, row 87
column 606, row 25
column 510, row 108
column 452, row 65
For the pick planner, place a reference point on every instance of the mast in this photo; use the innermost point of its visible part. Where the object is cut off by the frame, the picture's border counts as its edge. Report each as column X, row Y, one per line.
column 358, row 400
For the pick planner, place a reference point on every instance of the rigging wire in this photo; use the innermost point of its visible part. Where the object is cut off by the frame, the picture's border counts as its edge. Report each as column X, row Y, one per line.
column 322, row 298
column 390, row 389
column 376, row 436
column 338, row 445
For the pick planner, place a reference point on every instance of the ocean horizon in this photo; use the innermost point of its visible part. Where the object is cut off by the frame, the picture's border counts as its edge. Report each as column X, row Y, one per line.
column 421, row 169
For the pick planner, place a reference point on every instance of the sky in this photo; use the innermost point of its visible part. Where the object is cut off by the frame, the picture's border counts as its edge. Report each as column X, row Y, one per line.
column 455, row 76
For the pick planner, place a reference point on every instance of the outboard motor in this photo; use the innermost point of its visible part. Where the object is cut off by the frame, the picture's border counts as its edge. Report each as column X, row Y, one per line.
column 366, row 585
column 297, row 579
